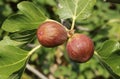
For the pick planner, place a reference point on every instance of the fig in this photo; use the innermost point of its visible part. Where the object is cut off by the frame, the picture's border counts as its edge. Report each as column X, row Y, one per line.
column 51, row 34
column 80, row 48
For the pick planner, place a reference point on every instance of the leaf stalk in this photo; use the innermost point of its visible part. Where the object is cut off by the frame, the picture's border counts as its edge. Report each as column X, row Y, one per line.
column 73, row 23
column 33, row 50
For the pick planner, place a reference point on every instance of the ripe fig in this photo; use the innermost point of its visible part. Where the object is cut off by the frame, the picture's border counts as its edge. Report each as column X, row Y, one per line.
column 80, row 48
column 51, row 34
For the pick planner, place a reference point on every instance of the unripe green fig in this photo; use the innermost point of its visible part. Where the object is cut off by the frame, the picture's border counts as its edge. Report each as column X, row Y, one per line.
column 51, row 34
column 80, row 48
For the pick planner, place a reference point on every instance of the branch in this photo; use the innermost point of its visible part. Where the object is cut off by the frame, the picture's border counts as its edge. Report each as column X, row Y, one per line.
column 113, row 1
column 36, row 72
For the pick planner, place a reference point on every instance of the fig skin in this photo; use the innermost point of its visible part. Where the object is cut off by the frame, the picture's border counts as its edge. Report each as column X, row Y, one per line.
column 80, row 48
column 51, row 34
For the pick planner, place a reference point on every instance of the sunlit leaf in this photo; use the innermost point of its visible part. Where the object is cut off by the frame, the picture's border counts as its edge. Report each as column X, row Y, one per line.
column 11, row 60
column 78, row 9
column 19, row 22
column 114, row 29
column 7, row 41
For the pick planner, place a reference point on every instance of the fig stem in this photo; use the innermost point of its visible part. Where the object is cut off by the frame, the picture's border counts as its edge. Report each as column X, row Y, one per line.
column 58, row 23
column 95, row 53
column 33, row 50
column 73, row 23
column 74, row 17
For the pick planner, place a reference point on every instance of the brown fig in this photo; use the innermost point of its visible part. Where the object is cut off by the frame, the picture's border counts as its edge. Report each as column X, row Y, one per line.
column 51, row 34
column 80, row 48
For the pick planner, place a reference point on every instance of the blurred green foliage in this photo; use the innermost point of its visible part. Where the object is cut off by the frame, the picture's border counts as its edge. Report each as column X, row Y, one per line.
column 103, row 24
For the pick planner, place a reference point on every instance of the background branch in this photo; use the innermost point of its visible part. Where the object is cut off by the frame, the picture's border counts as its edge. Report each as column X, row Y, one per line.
column 36, row 72
column 113, row 1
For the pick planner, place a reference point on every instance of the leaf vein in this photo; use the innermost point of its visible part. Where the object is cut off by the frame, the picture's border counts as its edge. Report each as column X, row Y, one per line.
column 13, row 63
column 83, row 9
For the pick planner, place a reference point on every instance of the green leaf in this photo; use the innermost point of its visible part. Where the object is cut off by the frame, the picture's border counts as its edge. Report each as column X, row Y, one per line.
column 19, row 22
column 11, row 60
column 7, row 41
column 109, row 56
column 44, row 2
column 31, row 18
column 18, row 74
column 78, row 9
column 25, row 36
column 30, row 10
column 114, row 29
